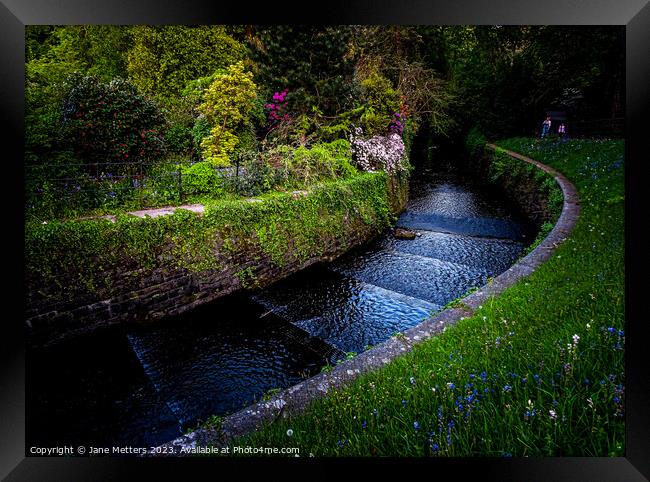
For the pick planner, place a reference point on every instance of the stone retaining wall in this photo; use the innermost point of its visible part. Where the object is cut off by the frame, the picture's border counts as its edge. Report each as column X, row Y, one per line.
column 60, row 306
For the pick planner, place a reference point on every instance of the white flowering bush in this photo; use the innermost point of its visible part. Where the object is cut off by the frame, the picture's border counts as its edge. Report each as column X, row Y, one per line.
column 378, row 152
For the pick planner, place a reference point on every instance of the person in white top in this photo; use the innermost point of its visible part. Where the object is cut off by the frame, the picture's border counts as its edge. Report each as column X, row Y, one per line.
column 546, row 126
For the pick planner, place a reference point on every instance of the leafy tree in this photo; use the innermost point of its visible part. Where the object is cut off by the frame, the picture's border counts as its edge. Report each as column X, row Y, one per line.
column 406, row 56
column 53, row 54
column 164, row 59
column 227, row 102
column 505, row 77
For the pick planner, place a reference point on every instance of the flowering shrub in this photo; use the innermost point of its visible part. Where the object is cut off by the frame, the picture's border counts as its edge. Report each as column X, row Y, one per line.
column 378, row 152
column 277, row 108
column 397, row 125
column 111, row 122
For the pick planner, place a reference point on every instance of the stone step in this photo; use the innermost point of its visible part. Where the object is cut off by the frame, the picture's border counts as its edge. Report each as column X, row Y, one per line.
column 347, row 313
column 154, row 213
column 490, row 254
column 219, row 364
column 477, row 226
column 429, row 279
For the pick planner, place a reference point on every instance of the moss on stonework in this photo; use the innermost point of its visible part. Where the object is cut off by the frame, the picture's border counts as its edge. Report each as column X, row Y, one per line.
column 89, row 256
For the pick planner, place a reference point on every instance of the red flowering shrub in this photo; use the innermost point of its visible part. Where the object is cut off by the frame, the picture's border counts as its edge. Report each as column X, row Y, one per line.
column 111, row 123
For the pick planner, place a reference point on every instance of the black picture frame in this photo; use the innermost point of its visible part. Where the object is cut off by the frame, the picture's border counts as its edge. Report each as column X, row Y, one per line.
column 15, row 14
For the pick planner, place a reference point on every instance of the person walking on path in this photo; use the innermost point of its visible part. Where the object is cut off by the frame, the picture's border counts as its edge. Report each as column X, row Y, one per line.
column 561, row 130
column 546, row 126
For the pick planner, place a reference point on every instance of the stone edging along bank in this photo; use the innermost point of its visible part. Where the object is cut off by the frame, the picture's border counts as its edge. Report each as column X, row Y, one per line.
column 296, row 398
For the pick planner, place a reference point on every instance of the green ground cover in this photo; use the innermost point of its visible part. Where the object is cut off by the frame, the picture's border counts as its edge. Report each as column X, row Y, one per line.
column 537, row 371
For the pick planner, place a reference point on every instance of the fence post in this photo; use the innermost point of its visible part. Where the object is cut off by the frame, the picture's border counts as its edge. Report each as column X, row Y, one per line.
column 180, row 185
column 140, row 190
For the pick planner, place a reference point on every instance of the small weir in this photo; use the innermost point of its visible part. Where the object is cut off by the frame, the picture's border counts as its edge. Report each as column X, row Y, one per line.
column 144, row 385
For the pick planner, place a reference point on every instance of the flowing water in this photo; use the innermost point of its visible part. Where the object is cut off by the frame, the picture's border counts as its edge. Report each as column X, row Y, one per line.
column 144, row 385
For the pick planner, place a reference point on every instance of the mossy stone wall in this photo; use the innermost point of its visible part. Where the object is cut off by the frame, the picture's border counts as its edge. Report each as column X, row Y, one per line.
column 85, row 274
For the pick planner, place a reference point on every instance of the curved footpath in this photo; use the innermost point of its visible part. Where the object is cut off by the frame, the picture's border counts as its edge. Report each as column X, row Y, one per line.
column 296, row 398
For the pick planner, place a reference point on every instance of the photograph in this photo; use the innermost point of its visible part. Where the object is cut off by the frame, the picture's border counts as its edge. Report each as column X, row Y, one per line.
column 216, row 216
column 266, row 241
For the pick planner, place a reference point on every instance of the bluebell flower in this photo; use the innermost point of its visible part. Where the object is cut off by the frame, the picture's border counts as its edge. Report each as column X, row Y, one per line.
column 363, row 424
column 472, row 376
column 507, row 388
column 621, row 333
column 404, row 402
column 416, row 425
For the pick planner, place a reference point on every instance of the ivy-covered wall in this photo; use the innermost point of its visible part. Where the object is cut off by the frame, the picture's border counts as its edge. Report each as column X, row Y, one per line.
column 84, row 274
column 534, row 192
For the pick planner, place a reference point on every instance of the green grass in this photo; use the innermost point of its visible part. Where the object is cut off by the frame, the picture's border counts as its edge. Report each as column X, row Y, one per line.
column 538, row 371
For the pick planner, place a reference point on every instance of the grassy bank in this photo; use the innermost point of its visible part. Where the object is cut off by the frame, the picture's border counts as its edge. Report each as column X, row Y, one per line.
column 538, row 371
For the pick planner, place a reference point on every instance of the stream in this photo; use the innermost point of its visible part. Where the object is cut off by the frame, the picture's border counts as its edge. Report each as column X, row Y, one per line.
column 143, row 385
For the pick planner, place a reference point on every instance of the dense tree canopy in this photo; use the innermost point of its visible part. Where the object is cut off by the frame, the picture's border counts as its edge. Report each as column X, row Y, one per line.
column 220, row 93
column 505, row 77
column 163, row 60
